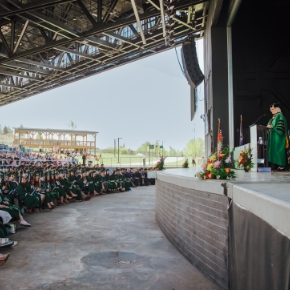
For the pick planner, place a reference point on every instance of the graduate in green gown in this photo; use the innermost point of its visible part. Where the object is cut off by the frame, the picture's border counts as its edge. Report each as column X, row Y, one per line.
column 97, row 183
column 27, row 196
column 12, row 209
column 277, row 137
column 50, row 186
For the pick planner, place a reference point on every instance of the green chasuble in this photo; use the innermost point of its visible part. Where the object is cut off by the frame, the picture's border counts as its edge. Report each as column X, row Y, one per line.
column 277, row 140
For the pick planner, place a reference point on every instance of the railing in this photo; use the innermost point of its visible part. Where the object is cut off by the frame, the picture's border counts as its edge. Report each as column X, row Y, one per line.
column 59, row 143
column 16, row 163
column 170, row 161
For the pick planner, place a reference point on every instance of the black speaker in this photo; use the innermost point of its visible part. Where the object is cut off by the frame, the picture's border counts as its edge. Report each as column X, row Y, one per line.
column 191, row 67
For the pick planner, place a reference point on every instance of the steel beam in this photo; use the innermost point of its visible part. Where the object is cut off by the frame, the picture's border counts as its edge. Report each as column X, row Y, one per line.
column 108, row 56
column 162, row 17
column 12, row 35
column 20, row 36
column 134, row 30
column 3, row 55
column 183, row 23
column 9, row 73
column 161, row 8
column 28, row 7
column 5, row 42
column 138, row 21
column 54, row 23
column 45, row 24
column 102, row 42
column 121, row 61
column 86, row 12
column 68, row 50
column 110, row 9
column 98, row 29
column 16, row 65
column 40, row 64
column 100, row 7
column 10, row 86
column 111, row 34
column 69, row 57
column 44, row 35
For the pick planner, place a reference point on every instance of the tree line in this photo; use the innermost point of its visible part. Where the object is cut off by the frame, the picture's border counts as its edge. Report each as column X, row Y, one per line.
column 193, row 148
column 5, row 130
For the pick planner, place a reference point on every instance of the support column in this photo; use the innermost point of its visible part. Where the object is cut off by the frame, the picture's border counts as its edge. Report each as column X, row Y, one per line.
column 220, row 83
column 230, row 88
column 95, row 146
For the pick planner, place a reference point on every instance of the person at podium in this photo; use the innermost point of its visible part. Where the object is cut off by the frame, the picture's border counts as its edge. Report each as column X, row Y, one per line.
column 277, row 138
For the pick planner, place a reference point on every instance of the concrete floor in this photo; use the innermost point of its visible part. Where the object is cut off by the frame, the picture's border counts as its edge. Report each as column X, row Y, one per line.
column 110, row 242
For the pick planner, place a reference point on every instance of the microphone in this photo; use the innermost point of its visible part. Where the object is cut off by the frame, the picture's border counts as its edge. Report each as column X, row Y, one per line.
column 257, row 120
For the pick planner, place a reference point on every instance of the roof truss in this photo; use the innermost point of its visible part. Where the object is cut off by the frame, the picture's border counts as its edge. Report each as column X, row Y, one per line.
column 45, row 44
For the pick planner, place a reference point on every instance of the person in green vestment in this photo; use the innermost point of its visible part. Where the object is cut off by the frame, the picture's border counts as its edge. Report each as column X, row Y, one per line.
column 277, row 138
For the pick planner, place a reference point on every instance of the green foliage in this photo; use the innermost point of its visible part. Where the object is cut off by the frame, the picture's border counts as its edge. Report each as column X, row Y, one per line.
column 5, row 130
column 143, row 148
column 194, row 148
column 160, row 164
column 21, row 135
column 39, row 137
column 185, row 164
column 124, row 151
column 245, row 159
column 72, row 125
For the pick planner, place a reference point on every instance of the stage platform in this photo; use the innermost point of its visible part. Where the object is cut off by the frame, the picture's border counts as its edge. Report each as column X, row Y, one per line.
column 262, row 182
column 229, row 227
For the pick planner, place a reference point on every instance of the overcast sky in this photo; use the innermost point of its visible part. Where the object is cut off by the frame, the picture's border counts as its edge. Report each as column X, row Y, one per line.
column 146, row 100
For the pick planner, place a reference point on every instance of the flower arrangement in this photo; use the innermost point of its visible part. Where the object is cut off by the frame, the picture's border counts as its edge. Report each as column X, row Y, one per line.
column 245, row 159
column 160, row 164
column 219, row 165
column 185, row 164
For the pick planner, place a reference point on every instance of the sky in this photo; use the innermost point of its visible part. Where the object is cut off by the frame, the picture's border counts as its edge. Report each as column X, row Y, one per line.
column 147, row 100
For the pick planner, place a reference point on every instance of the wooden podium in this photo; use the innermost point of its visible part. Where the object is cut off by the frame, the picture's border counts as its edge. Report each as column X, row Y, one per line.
column 258, row 137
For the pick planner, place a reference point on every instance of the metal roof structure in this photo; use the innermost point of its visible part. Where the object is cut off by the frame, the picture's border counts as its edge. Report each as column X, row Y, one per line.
column 61, row 131
column 45, row 44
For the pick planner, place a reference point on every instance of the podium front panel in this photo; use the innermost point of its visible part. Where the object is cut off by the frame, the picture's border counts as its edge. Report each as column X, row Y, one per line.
column 254, row 146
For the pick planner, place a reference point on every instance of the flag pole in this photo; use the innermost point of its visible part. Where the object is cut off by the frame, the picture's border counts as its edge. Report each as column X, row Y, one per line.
column 218, row 133
column 241, row 132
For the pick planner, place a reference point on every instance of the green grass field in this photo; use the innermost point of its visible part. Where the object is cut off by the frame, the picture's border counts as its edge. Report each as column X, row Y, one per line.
column 125, row 160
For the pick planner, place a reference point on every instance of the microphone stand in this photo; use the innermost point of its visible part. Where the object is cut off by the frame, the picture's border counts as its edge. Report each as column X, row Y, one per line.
column 257, row 120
